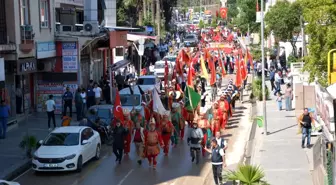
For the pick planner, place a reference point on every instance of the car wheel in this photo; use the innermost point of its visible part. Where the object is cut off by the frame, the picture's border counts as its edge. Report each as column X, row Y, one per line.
column 79, row 164
column 97, row 152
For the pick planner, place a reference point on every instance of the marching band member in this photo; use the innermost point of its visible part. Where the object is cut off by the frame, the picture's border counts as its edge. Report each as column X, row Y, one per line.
column 128, row 124
column 138, row 140
column 204, row 125
column 137, row 117
column 167, row 130
column 153, row 141
column 217, row 118
column 176, row 120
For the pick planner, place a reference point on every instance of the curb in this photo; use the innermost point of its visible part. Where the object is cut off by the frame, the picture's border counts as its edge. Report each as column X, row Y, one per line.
column 16, row 170
column 249, row 147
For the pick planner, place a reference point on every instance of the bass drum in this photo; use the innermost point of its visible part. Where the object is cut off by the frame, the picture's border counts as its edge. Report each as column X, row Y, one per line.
column 178, row 96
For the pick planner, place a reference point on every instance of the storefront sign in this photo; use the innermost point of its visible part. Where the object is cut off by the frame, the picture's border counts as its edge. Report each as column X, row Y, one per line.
column 45, row 50
column 27, row 65
column 70, row 57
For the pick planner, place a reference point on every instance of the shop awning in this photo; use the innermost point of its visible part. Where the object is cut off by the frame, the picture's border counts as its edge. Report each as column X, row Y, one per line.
column 135, row 37
column 119, row 64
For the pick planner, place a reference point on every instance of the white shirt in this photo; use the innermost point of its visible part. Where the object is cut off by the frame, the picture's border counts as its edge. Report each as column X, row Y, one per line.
column 219, row 141
column 151, row 68
column 50, row 105
column 97, row 91
column 277, row 78
column 83, row 95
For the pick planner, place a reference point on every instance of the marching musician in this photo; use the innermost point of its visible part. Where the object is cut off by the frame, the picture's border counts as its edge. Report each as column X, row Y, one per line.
column 204, row 125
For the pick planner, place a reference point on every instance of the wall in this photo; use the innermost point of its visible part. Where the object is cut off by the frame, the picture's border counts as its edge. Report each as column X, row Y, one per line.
column 10, row 22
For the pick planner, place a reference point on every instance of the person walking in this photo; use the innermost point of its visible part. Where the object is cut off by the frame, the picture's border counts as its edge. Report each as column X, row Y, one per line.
column 51, row 106
column 119, row 135
column 272, row 77
column 222, row 143
column 83, row 95
column 4, row 114
column 79, row 104
column 90, row 95
column 217, row 160
column 195, row 138
column 138, row 140
column 98, row 93
column 279, row 101
column 67, row 101
column 305, row 123
column 288, row 97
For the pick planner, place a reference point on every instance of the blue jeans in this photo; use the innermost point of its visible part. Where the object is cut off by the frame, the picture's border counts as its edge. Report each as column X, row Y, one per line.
column 279, row 105
column 277, row 88
column 306, row 132
column 288, row 103
column 3, row 127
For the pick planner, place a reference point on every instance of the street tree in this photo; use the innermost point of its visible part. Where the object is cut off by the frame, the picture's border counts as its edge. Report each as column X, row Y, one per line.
column 283, row 20
column 246, row 17
column 321, row 18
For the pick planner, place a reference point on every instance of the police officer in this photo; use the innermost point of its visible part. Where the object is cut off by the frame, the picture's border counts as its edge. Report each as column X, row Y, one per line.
column 217, row 160
column 195, row 137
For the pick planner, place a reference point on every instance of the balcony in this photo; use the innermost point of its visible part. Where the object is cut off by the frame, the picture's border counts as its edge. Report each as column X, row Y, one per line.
column 27, row 38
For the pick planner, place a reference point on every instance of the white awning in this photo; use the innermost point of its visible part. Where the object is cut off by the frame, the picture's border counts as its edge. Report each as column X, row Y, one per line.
column 134, row 37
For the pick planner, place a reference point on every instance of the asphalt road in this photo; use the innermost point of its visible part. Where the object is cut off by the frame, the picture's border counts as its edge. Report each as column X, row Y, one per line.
column 176, row 168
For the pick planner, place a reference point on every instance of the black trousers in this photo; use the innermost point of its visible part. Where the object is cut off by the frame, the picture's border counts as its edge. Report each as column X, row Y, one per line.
column 18, row 105
column 51, row 115
column 90, row 101
column 79, row 113
column 195, row 153
column 217, row 173
column 272, row 84
column 65, row 106
column 118, row 152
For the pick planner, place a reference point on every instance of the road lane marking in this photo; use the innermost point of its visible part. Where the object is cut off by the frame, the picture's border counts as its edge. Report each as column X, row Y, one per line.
column 24, row 173
column 123, row 179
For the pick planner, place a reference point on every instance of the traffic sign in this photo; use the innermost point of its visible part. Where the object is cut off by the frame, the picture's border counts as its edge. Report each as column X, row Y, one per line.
column 141, row 49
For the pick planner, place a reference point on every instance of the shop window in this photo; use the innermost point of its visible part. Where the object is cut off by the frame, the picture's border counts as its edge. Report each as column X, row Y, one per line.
column 44, row 13
column 119, row 51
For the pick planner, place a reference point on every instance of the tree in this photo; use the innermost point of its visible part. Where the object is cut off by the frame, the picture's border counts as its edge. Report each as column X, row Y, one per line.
column 246, row 17
column 283, row 20
column 232, row 10
column 320, row 16
column 246, row 175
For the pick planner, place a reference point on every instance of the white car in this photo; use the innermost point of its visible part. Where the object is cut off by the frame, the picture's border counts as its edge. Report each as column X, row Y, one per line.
column 67, row 149
column 3, row 182
column 159, row 69
column 171, row 59
column 148, row 82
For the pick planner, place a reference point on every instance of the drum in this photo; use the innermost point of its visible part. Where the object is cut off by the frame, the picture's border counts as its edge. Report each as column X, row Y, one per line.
column 179, row 96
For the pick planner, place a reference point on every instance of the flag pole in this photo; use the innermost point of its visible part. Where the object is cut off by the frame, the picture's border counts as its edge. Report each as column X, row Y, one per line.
column 263, row 65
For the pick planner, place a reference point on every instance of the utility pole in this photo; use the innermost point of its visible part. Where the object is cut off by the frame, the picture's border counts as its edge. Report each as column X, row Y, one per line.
column 304, row 47
column 263, row 65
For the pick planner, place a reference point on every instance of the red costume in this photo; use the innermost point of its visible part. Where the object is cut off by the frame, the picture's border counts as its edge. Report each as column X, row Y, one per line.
column 222, row 107
column 147, row 112
column 166, row 129
column 129, row 125
column 152, row 141
column 204, row 125
column 217, row 119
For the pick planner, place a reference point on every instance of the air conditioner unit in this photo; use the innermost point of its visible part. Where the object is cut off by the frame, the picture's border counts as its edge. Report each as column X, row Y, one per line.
column 91, row 27
column 66, row 28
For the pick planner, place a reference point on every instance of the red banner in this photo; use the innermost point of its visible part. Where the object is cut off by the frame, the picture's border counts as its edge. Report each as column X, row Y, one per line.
column 223, row 12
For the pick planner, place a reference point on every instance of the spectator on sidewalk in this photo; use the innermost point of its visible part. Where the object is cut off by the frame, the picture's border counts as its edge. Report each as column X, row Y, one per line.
column 305, row 123
column 278, row 80
column 4, row 114
column 51, row 106
column 288, row 97
column 217, row 160
column 67, row 101
column 83, row 95
column 272, row 77
column 98, row 93
column 79, row 104
column 279, row 101
column 90, row 95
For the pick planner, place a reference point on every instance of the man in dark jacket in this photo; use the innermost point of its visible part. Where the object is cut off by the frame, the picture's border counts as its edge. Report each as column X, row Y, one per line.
column 119, row 133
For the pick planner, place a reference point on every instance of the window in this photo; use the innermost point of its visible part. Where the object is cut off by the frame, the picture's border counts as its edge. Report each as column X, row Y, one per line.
column 24, row 12
column 44, row 13
column 62, row 139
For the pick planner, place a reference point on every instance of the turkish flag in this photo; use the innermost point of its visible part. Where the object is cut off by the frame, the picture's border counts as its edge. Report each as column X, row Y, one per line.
column 190, row 77
column 243, row 69
column 223, row 12
column 185, row 57
column 239, row 80
column 166, row 72
column 213, row 72
column 250, row 58
column 117, row 108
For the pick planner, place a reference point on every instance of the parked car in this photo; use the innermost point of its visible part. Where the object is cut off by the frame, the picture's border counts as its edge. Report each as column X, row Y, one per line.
column 148, row 82
column 171, row 59
column 3, row 182
column 159, row 70
column 190, row 40
column 67, row 149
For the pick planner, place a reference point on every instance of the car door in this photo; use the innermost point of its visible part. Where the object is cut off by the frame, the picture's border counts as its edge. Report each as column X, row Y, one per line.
column 92, row 143
column 85, row 147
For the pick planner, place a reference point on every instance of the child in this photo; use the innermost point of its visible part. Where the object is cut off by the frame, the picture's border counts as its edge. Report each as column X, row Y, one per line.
column 279, row 100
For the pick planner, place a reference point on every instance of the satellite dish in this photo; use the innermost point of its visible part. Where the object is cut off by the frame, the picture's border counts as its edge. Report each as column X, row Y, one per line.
column 88, row 27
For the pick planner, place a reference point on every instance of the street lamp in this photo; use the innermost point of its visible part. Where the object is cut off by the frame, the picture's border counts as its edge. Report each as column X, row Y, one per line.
column 263, row 66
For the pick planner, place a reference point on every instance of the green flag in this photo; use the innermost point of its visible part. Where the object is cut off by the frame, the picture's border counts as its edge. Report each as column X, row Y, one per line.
column 192, row 98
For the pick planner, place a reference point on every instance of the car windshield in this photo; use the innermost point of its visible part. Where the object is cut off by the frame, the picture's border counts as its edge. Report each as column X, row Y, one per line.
column 146, row 81
column 171, row 59
column 130, row 100
column 104, row 113
column 189, row 37
column 62, row 139
column 159, row 65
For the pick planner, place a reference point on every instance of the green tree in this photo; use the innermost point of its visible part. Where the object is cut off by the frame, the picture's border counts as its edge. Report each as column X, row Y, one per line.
column 320, row 16
column 246, row 17
column 232, row 10
column 283, row 20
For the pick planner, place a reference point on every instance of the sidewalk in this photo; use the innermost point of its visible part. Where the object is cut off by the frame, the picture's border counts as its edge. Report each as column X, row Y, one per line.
column 12, row 158
column 279, row 153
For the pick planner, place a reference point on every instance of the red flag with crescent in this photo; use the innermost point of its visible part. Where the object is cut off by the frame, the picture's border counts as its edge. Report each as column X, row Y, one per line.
column 117, row 108
column 223, row 12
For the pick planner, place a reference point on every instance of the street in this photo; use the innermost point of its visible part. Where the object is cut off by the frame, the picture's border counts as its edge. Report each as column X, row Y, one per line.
column 174, row 169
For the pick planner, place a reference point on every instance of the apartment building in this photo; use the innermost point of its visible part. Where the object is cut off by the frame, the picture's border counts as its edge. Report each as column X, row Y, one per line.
column 27, row 47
